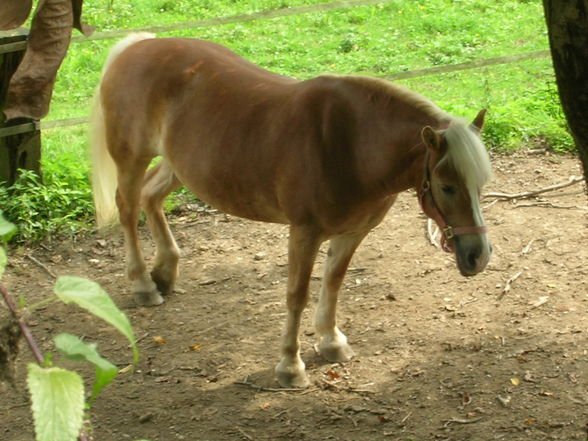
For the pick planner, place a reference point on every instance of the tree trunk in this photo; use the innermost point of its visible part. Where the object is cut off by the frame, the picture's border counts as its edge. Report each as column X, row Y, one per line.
column 567, row 23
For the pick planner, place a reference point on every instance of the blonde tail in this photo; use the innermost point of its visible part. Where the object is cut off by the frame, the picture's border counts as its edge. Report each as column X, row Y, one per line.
column 104, row 171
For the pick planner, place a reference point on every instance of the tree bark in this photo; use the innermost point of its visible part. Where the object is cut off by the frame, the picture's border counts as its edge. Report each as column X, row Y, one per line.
column 567, row 24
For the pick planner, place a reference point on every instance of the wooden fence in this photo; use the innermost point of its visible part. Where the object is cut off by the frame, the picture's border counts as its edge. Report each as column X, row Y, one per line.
column 19, row 149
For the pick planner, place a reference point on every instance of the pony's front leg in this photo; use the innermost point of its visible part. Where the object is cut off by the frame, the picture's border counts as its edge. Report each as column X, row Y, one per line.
column 332, row 343
column 303, row 246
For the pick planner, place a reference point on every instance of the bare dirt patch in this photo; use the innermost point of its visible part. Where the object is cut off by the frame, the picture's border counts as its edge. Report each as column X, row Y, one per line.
column 501, row 356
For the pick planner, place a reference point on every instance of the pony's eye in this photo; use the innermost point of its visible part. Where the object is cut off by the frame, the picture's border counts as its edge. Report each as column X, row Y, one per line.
column 448, row 190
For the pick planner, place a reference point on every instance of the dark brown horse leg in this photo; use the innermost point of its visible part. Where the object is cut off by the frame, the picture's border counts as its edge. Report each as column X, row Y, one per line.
column 159, row 182
column 128, row 196
column 332, row 343
column 303, row 247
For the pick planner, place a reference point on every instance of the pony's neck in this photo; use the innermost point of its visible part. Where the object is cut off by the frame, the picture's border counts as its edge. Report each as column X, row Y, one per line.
column 392, row 161
column 407, row 171
column 401, row 165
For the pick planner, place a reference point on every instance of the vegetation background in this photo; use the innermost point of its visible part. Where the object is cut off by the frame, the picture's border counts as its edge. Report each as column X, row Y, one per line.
column 379, row 40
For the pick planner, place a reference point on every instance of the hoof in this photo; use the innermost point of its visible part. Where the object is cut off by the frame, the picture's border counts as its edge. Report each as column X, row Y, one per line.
column 334, row 347
column 152, row 298
column 335, row 352
column 164, row 286
column 292, row 376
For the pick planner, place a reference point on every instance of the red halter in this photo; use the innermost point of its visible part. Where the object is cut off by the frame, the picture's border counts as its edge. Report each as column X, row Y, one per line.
column 429, row 207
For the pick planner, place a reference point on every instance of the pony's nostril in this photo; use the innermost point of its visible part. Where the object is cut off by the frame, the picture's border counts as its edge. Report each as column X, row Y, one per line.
column 472, row 258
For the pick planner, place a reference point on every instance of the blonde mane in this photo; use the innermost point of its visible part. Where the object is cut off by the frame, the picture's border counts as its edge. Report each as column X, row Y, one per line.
column 468, row 155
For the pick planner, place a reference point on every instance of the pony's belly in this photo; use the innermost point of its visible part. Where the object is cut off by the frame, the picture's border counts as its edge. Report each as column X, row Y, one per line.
column 248, row 205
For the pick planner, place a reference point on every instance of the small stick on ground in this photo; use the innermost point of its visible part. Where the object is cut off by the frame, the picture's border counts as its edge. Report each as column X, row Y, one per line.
column 41, row 265
column 528, row 194
column 546, row 204
column 509, row 282
column 243, row 434
column 406, row 418
column 456, row 420
column 528, row 248
column 245, row 382
column 361, row 391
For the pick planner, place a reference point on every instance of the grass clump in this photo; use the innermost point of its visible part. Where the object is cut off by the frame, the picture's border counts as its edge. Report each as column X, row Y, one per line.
column 49, row 209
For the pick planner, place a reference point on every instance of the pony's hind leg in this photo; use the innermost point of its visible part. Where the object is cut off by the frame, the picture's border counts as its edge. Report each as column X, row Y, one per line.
column 159, row 182
column 303, row 247
column 332, row 343
column 128, row 195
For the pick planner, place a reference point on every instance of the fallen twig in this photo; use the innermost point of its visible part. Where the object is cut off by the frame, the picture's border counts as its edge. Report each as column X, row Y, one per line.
column 269, row 389
column 217, row 325
column 143, row 337
column 456, row 420
column 540, row 301
column 359, row 269
column 405, row 418
column 487, row 206
column 361, row 391
column 508, row 284
column 527, row 194
column 528, row 248
column 243, row 434
column 41, row 265
column 546, row 204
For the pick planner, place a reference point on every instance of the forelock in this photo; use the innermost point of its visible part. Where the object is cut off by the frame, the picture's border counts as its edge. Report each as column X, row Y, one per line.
column 467, row 154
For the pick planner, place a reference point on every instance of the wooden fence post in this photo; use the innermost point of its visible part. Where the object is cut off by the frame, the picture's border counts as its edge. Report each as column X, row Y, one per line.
column 20, row 139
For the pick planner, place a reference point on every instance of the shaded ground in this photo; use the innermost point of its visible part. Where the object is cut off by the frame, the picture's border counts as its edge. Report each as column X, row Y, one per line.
column 440, row 357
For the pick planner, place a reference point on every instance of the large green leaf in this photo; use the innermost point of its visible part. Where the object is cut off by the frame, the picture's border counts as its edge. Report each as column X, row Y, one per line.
column 7, row 229
column 75, row 349
column 90, row 296
column 57, row 397
column 3, row 261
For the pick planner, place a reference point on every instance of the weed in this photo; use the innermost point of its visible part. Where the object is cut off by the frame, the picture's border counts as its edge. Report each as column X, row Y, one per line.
column 43, row 210
column 57, row 395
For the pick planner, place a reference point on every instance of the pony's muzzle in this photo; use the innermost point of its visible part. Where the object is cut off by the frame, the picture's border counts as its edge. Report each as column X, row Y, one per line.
column 472, row 253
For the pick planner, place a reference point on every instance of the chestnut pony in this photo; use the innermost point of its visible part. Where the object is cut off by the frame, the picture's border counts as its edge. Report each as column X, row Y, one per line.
column 327, row 156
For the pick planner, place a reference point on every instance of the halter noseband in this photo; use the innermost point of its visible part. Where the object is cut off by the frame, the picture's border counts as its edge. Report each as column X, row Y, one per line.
column 427, row 202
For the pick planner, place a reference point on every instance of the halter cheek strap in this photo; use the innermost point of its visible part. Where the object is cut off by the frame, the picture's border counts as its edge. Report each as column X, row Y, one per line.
column 429, row 207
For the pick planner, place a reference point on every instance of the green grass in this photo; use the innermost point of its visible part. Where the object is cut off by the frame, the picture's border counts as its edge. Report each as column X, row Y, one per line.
column 375, row 40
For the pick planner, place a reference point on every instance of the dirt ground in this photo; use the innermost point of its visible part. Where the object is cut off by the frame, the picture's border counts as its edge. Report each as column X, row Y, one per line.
column 501, row 356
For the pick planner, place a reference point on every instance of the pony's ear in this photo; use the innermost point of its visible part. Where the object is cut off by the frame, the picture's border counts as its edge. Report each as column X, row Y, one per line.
column 431, row 138
column 478, row 122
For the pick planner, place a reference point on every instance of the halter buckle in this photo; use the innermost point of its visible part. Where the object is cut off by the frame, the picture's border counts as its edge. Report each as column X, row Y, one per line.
column 448, row 232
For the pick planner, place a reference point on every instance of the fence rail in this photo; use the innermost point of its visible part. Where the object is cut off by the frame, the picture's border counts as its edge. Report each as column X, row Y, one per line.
column 448, row 68
column 263, row 15
column 239, row 18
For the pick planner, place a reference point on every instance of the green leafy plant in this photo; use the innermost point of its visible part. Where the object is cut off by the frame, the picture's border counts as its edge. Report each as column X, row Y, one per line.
column 57, row 395
column 43, row 209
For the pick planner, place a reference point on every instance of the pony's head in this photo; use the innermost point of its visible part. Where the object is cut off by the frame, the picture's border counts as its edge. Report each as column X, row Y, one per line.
column 457, row 166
